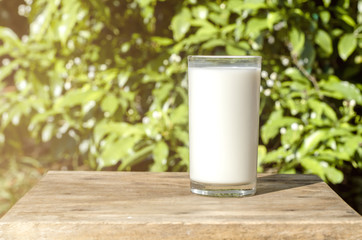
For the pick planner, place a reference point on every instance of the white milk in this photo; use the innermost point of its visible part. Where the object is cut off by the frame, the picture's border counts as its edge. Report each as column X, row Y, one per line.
column 224, row 120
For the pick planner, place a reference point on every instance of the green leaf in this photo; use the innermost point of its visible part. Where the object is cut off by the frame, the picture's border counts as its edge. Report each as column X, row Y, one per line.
column 324, row 41
column 346, row 45
column 4, row 49
column 297, row 39
column 311, row 141
column 262, row 151
column 183, row 152
column 181, row 135
column 338, row 89
column 39, row 118
column 334, row 175
column 109, row 104
column 220, row 18
column 228, row 29
column 116, row 150
column 212, row 43
column 41, row 23
column 205, row 32
column 276, row 156
column 237, row 6
column 162, row 41
column 326, row 3
column 322, row 108
column 296, row 75
column 180, row 115
column 145, row 3
column 347, row 19
column 162, row 93
column 272, row 127
column 200, row 12
column 68, row 20
column 291, row 137
column 160, row 154
column 308, row 54
column 339, row 132
column 312, row 166
column 78, row 97
column 329, row 155
column 239, row 31
column 234, row 51
column 6, row 70
column 351, row 144
column 103, row 10
column 9, row 36
column 325, row 16
column 329, row 112
column 47, row 132
column 244, row 45
column 118, row 129
column 201, row 36
column 337, row 32
column 180, row 24
column 273, row 18
column 201, row 23
column 136, row 157
column 255, row 26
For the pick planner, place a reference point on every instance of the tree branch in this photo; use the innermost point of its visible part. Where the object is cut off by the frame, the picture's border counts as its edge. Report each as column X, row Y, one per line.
column 302, row 69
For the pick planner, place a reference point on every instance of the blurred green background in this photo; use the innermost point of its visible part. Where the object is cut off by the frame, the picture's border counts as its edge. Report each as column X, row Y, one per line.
column 101, row 85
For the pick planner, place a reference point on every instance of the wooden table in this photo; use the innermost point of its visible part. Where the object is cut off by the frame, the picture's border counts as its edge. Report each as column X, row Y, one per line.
column 142, row 205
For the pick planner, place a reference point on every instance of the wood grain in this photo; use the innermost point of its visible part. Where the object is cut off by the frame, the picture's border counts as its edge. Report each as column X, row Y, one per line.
column 143, row 205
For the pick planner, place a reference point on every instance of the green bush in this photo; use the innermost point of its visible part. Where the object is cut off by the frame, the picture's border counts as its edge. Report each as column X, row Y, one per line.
column 103, row 83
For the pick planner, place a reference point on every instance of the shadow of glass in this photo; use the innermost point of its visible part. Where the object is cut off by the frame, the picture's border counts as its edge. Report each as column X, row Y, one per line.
column 279, row 182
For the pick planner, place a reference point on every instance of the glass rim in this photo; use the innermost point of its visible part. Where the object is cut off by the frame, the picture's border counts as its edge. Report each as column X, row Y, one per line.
column 223, row 57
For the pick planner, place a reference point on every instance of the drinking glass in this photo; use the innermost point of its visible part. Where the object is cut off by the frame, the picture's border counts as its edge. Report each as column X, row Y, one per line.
column 223, row 124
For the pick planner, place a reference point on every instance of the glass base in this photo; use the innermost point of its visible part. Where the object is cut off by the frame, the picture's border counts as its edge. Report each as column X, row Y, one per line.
column 223, row 190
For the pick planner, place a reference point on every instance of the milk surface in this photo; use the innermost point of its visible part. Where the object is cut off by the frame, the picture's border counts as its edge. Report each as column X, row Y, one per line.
column 223, row 124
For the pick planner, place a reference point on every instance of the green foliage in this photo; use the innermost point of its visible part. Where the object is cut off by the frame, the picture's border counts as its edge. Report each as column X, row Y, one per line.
column 324, row 41
column 16, row 177
column 346, row 45
column 180, row 24
column 103, row 83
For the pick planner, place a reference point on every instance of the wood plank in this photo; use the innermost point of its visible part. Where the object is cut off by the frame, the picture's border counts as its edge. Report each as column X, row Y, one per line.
column 143, row 205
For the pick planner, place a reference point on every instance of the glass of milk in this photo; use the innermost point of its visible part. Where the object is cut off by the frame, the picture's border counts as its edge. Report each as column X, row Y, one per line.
column 223, row 124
